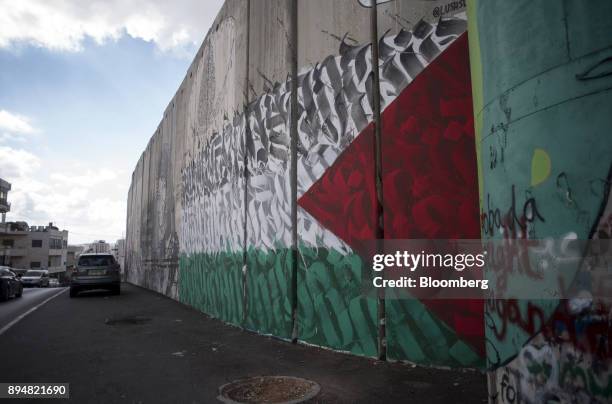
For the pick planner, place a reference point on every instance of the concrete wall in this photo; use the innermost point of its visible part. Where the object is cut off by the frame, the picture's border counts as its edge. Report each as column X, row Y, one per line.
column 542, row 97
column 215, row 221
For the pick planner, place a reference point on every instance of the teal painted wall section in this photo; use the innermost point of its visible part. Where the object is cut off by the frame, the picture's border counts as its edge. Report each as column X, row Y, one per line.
column 417, row 335
column 203, row 286
column 268, row 289
column 333, row 309
column 543, row 96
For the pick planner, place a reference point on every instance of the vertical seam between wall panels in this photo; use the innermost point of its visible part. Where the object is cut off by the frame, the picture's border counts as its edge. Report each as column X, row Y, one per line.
column 247, row 133
column 566, row 28
column 293, row 44
column 172, row 270
column 147, row 278
column 140, row 208
column 144, row 159
column 379, row 225
column 127, row 229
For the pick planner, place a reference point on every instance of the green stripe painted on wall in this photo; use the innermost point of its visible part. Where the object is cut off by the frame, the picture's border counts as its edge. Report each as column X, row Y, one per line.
column 334, row 309
column 268, row 303
column 416, row 335
column 212, row 283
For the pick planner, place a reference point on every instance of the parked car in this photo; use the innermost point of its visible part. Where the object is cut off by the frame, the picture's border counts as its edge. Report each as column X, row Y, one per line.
column 19, row 271
column 54, row 283
column 35, row 278
column 95, row 271
column 10, row 285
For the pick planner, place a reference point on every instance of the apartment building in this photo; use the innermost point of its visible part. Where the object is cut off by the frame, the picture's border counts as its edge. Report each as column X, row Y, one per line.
column 30, row 247
column 33, row 247
column 99, row 247
column 5, row 206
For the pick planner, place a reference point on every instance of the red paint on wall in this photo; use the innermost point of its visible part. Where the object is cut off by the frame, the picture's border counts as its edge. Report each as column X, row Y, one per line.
column 344, row 198
column 430, row 180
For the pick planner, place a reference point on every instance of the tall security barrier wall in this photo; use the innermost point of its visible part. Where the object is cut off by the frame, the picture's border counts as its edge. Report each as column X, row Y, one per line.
column 541, row 74
column 255, row 192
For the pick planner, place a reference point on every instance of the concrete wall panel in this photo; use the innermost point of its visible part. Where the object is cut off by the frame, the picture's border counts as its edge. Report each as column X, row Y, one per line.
column 541, row 106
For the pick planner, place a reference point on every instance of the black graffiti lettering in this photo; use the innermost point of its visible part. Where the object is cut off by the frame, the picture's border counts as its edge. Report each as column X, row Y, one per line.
column 508, row 392
column 492, row 219
column 511, row 221
column 448, row 8
column 493, row 157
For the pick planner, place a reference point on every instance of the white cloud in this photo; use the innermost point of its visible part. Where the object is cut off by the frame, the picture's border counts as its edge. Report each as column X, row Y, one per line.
column 16, row 163
column 88, row 201
column 15, row 123
column 9, row 137
column 64, row 24
column 87, row 179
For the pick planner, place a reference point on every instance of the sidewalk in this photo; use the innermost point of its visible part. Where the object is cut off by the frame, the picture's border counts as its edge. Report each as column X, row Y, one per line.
column 343, row 377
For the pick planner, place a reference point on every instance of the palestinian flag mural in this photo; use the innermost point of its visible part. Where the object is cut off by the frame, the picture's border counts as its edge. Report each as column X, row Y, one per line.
column 430, row 191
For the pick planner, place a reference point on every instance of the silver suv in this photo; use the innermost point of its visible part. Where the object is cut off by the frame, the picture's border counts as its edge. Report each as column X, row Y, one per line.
column 95, row 271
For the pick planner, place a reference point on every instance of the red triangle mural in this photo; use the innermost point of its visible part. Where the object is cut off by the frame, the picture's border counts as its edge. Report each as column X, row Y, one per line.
column 429, row 176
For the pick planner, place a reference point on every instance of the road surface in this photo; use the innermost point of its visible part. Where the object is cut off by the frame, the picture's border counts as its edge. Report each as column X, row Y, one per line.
column 143, row 347
column 13, row 308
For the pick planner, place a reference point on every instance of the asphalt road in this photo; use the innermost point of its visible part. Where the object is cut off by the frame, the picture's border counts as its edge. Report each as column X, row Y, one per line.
column 141, row 347
column 13, row 308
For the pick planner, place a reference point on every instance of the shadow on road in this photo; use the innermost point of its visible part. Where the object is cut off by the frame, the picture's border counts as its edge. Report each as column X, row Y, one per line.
column 97, row 293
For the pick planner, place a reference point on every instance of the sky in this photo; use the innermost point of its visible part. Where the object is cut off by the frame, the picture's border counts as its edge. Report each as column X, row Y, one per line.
column 83, row 86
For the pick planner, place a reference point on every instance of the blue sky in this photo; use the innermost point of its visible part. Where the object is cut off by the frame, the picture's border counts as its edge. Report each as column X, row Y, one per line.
column 83, row 86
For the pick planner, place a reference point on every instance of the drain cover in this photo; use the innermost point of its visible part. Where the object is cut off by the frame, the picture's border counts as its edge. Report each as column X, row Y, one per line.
column 268, row 389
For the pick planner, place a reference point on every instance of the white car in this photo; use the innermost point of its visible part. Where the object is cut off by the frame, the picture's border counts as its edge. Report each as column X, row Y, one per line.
column 35, row 278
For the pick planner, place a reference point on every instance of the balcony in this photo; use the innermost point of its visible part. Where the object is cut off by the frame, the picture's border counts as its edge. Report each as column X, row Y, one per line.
column 5, row 185
column 13, row 251
column 53, row 252
column 11, row 229
column 5, row 206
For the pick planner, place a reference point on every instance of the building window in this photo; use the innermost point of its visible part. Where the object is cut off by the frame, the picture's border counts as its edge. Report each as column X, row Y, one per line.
column 37, row 244
column 55, row 244
column 34, row 264
column 8, row 243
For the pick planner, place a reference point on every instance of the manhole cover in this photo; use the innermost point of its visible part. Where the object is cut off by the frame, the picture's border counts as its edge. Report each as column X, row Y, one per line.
column 269, row 389
column 126, row 321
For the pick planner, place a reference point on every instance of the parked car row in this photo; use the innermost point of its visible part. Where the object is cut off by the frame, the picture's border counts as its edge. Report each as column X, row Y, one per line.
column 10, row 285
column 12, row 281
column 93, row 271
